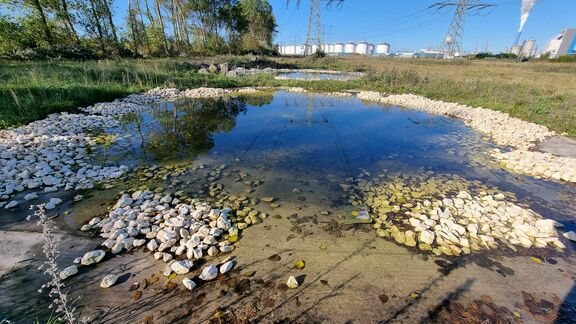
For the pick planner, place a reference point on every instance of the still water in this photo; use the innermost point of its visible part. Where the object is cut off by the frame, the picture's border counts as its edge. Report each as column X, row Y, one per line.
column 315, row 136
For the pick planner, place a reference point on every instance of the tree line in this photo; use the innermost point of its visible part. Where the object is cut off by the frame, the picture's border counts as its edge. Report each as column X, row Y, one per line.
column 149, row 28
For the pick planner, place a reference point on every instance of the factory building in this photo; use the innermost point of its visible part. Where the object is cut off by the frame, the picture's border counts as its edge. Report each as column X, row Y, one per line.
column 562, row 44
column 338, row 49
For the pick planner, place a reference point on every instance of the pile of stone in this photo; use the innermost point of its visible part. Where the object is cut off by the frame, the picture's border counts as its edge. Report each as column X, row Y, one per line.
column 505, row 130
column 538, row 164
column 174, row 231
column 449, row 215
column 52, row 154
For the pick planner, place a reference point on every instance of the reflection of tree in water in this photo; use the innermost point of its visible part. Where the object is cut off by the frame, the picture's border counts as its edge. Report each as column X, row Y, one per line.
column 257, row 100
column 188, row 128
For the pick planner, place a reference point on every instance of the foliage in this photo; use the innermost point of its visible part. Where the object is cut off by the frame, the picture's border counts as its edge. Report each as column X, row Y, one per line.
column 86, row 29
column 504, row 56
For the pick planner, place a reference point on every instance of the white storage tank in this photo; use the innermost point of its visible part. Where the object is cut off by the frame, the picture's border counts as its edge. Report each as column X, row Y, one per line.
column 362, row 48
column 289, row 50
column 383, row 49
column 281, row 49
column 314, row 49
column 370, row 49
column 299, row 49
column 350, row 48
column 338, row 48
column 330, row 49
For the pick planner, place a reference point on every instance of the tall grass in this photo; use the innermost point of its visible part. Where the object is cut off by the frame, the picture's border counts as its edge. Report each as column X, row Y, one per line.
column 541, row 92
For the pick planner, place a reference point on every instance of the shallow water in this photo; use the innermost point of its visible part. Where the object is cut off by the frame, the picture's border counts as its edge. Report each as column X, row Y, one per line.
column 317, row 76
column 313, row 137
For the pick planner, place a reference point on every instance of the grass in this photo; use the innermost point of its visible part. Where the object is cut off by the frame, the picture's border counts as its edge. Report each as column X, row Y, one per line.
column 540, row 92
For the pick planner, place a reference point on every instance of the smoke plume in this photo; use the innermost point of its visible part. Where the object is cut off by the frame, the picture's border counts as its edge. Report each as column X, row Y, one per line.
column 527, row 6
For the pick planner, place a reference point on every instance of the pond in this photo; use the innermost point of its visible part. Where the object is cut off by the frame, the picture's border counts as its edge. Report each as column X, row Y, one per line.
column 313, row 136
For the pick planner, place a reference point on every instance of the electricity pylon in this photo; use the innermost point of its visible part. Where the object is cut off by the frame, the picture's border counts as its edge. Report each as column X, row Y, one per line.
column 314, row 35
column 453, row 40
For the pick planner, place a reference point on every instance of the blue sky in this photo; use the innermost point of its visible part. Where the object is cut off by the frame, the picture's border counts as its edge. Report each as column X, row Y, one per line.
column 406, row 25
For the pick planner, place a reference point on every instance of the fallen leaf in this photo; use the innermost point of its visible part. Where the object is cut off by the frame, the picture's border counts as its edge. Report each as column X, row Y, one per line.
column 172, row 275
column 383, row 298
column 323, row 246
column 300, row 264
column 137, row 295
column 324, row 282
column 537, row 260
column 516, row 314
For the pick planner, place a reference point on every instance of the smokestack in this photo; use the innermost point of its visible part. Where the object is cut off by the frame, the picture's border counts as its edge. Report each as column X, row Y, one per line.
column 527, row 6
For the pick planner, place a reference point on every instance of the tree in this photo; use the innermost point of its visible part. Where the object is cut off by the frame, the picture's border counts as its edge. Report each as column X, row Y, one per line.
column 261, row 25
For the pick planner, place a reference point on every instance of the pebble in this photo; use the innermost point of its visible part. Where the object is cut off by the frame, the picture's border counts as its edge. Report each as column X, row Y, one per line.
column 70, row 271
column 181, row 267
column 292, row 283
column 188, row 283
column 209, row 273
column 109, row 281
column 93, row 257
column 570, row 235
column 226, row 267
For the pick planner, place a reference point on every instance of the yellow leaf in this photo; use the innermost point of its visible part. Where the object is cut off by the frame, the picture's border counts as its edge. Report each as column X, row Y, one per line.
column 172, row 275
column 233, row 238
column 323, row 246
column 354, row 213
column 300, row 264
column 516, row 314
column 537, row 260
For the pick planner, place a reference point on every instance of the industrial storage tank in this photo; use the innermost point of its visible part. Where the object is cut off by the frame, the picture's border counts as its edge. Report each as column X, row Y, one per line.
column 290, row 50
column 383, row 49
column 338, row 48
column 299, row 50
column 314, row 49
column 350, row 48
column 362, row 48
column 371, row 49
column 330, row 49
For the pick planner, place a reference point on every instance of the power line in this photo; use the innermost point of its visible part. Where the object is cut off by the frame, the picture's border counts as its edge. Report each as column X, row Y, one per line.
column 453, row 39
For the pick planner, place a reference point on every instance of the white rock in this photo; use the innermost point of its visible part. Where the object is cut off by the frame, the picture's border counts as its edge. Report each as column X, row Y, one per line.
column 152, row 245
column 292, row 283
column 93, row 257
column 182, row 267
column 212, row 251
column 109, row 281
column 188, row 283
column 209, row 273
column 138, row 242
column 570, row 235
column 31, row 196
column 227, row 266
column 70, row 271
column 426, row 237
column 11, row 204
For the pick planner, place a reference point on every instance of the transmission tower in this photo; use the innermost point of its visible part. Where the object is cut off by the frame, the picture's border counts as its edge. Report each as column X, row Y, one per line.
column 453, row 40
column 314, row 35
column 314, row 28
